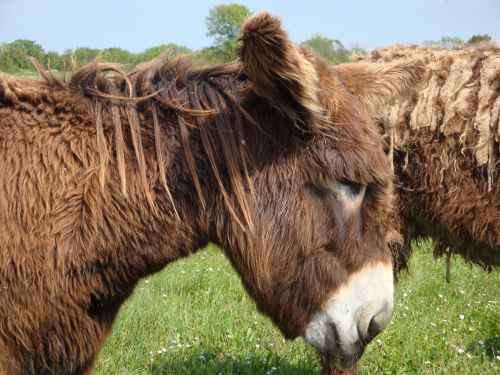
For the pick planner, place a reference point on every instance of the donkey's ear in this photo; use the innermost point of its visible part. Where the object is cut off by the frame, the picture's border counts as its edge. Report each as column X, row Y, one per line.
column 377, row 84
column 278, row 69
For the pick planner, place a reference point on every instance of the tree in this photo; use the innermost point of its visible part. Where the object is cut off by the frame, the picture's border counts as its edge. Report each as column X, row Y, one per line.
column 84, row 55
column 5, row 60
column 53, row 60
column 116, row 55
column 223, row 25
column 209, row 55
column 356, row 52
column 478, row 38
column 446, row 42
column 15, row 55
column 331, row 50
column 171, row 49
column 451, row 42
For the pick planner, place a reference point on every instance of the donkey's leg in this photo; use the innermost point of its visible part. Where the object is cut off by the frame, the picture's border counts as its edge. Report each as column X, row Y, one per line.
column 71, row 340
column 88, row 369
column 104, row 314
column 102, row 323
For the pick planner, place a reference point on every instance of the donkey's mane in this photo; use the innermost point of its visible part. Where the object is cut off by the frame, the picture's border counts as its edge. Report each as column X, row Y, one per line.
column 203, row 102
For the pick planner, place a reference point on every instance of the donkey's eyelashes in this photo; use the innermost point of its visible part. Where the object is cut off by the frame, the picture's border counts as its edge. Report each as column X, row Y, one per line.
column 339, row 189
column 321, row 190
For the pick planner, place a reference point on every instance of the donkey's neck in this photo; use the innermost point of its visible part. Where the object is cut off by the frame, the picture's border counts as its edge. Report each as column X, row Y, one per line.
column 131, row 240
column 121, row 238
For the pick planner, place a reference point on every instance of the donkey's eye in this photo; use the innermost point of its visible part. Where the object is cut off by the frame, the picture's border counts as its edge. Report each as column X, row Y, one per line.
column 350, row 195
column 322, row 190
column 350, row 187
column 340, row 189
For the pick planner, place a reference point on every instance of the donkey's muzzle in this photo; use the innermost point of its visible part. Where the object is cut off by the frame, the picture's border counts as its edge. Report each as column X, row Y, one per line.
column 353, row 315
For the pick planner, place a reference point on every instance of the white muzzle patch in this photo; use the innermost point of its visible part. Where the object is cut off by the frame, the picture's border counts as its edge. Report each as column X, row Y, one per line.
column 347, row 320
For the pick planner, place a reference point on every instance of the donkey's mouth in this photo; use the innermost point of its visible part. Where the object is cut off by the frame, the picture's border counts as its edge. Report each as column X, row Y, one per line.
column 343, row 360
column 340, row 357
column 329, row 367
column 335, row 353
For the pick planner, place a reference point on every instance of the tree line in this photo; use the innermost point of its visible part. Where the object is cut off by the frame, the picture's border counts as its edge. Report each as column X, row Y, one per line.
column 223, row 23
column 14, row 56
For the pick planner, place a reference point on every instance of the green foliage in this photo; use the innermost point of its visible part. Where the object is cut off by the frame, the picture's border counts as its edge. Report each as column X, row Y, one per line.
column 223, row 25
column 15, row 56
column 452, row 42
column 82, row 55
column 331, row 50
column 446, row 42
column 170, row 49
column 53, row 60
column 478, row 38
column 117, row 55
column 357, row 50
column 209, row 55
column 224, row 21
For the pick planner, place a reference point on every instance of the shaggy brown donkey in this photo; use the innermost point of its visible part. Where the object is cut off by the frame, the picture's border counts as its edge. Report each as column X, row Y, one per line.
column 445, row 142
column 110, row 177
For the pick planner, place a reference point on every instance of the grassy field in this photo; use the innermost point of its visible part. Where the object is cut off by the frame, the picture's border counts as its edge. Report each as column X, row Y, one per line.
column 195, row 318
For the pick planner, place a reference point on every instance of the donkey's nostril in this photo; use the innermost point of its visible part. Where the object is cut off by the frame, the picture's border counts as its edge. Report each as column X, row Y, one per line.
column 372, row 320
column 373, row 330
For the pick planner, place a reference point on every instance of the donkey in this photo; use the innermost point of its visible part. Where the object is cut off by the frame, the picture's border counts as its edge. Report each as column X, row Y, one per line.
column 444, row 139
column 109, row 177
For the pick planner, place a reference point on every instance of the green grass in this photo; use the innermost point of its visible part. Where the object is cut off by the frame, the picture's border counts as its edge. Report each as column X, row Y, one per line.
column 195, row 318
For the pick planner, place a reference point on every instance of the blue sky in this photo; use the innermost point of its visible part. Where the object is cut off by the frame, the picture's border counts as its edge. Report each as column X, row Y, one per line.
column 139, row 24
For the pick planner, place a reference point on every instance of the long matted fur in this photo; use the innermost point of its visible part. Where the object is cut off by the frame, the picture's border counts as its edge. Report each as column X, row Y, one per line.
column 444, row 138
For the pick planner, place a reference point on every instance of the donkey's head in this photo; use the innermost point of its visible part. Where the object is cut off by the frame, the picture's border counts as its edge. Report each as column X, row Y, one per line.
column 304, row 216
